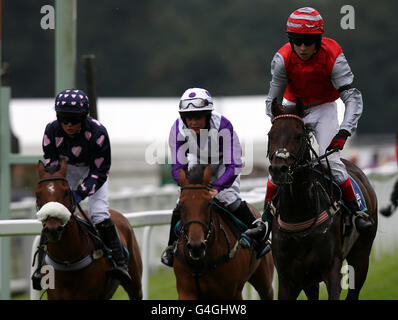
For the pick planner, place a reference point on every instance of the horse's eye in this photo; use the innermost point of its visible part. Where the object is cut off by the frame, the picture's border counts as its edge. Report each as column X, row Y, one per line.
column 66, row 194
column 298, row 136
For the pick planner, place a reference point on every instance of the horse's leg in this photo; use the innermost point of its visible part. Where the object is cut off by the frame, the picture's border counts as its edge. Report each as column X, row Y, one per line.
column 358, row 259
column 135, row 267
column 262, row 278
column 333, row 280
column 312, row 292
column 127, row 236
column 286, row 291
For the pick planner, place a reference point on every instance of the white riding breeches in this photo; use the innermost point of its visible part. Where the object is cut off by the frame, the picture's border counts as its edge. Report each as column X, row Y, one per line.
column 98, row 203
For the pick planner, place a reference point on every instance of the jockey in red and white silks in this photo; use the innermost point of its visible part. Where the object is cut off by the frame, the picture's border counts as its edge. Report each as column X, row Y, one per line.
column 315, row 69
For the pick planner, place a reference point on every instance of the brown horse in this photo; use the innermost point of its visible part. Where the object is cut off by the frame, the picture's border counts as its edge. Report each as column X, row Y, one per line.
column 80, row 270
column 209, row 262
column 309, row 240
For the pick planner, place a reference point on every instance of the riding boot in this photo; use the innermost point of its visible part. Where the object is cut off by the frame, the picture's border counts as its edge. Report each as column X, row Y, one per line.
column 257, row 228
column 109, row 235
column 41, row 254
column 361, row 223
column 167, row 257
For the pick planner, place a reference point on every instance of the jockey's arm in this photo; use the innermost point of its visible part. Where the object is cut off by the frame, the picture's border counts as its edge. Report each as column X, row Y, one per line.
column 278, row 82
column 232, row 158
column 100, row 164
column 177, row 150
column 342, row 78
column 50, row 152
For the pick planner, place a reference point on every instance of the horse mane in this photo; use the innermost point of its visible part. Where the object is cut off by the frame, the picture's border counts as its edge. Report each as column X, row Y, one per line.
column 195, row 174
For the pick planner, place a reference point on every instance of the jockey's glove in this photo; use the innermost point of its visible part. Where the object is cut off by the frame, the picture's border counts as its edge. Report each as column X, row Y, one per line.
column 77, row 197
column 339, row 140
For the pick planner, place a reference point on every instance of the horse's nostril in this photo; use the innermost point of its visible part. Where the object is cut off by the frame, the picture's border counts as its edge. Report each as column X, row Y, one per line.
column 284, row 169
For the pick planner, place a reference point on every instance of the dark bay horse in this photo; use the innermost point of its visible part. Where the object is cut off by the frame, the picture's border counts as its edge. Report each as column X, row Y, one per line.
column 209, row 263
column 308, row 243
column 70, row 245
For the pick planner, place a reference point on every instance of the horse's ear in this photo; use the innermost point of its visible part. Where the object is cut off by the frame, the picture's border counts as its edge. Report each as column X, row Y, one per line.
column 41, row 169
column 182, row 178
column 63, row 168
column 207, row 176
column 300, row 107
column 275, row 108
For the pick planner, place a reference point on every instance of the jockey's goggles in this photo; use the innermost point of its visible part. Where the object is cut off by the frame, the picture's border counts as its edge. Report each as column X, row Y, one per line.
column 69, row 118
column 196, row 103
column 307, row 41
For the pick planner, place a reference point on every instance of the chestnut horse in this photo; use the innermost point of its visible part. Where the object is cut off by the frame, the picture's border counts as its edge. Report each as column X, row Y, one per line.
column 70, row 244
column 309, row 240
column 209, row 260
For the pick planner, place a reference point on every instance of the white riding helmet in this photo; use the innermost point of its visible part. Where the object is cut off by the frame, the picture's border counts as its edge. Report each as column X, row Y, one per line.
column 195, row 100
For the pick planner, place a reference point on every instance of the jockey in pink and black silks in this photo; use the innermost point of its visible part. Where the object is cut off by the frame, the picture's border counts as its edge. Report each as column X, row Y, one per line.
column 203, row 136
column 314, row 68
column 79, row 139
column 84, row 143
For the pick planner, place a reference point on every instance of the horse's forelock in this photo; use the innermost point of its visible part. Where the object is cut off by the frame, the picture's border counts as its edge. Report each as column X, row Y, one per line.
column 53, row 169
column 195, row 174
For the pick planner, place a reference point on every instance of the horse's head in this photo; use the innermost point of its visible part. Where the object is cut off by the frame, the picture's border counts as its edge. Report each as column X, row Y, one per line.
column 287, row 141
column 54, row 200
column 195, row 203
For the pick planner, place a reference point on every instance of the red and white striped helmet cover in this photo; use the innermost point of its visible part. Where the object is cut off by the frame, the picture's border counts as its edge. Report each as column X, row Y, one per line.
column 305, row 20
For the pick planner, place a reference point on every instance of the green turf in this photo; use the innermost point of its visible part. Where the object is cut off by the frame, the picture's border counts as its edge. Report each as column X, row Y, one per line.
column 381, row 283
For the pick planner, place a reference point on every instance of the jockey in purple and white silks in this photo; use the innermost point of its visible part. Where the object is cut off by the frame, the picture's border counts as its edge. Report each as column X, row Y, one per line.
column 202, row 136
column 314, row 69
column 84, row 143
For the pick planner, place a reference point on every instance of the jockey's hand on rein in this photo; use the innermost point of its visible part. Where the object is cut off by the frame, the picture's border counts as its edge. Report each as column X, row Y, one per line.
column 339, row 140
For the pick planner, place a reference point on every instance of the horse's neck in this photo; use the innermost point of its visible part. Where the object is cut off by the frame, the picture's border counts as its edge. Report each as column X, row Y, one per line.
column 72, row 244
column 301, row 200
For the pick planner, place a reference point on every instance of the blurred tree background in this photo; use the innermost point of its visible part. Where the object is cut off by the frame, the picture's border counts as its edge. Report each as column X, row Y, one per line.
column 159, row 48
